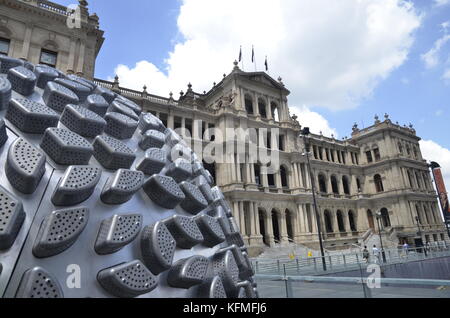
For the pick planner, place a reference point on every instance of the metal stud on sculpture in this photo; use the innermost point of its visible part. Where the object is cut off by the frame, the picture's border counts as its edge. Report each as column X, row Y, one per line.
column 66, row 147
column 153, row 162
column 80, row 90
column 224, row 266
column 180, row 170
column 118, row 107
column 188, row 272
column 44, row 75
column 59, row 231
column 127, row 280
column 120, row 126
column 83, row 121
column 3, row 134
column 11, row 218
column 184, row 230
column 76, row 186
column 97, row 104
column 57, row 96
column 194, row 202
column 7, row 63
column 107, row 94
column 163, row 191
column 113, row 154
column 38, row 283
column 149, row 122
column 211, row 230
column 152, row 139
column 122, row 186
column 5, row 93
column 212, row 288
column 23, row 81
column 157, row 247
column 117, row 232
column 31, row 117
column 25, row 166
column 130, row 104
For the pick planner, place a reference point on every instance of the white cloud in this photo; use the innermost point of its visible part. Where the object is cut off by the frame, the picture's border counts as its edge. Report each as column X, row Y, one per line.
column 316, row 122
column 329, row 53
column 432, row 151
column 439, row 112
column 440, row 3
column 446, row 75
column 431, row 58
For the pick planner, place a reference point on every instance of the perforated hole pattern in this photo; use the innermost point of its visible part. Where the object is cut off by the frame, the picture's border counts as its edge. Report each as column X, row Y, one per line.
column 7, row 208
column 80, row 177
column 66, row 223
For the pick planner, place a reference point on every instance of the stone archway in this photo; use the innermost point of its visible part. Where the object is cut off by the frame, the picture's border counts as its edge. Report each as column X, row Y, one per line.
column 276, row 226
column 290, row 225
column 263, row 227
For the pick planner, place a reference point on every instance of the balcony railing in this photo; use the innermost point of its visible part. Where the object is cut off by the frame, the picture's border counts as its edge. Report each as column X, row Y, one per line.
column 53, row 7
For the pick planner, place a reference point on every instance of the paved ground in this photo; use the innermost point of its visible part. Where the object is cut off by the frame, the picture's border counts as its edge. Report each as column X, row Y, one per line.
column 273, row 289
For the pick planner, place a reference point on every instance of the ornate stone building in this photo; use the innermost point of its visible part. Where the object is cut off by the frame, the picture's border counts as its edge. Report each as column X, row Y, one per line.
column 378, row 171
column 44, row 32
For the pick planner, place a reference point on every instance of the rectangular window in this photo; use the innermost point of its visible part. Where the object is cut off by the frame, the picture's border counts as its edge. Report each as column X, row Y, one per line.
column 4, row 46
column 281, row 143
column 188, row 125
column 369, row 156
column 163, row 118
column 177, row 123
column 48, row 58
column 315, row 152
column 211, row 128
column 377, row 155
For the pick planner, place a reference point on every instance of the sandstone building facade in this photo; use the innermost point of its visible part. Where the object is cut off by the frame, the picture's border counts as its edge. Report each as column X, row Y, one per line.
column 378, row 171
column 44, row 32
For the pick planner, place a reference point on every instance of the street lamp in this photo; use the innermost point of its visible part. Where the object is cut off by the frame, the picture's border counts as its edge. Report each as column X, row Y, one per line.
column 305, row 135
column 383, row 254
column 420, row 234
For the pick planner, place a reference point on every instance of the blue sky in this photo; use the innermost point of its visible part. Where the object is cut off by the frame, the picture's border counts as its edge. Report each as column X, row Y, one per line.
column 167, row 43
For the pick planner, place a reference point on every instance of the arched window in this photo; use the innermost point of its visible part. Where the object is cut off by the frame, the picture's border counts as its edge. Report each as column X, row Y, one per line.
column 289, row 225
column 385, row 217
column 249, row 104
column 328, row 222
column 284, row 177
column 334, row 185
column 322, row 184
column 352, row 221
column 419, row 215
column 262, row 108
column 376, row 154
column 419, row 182
column 378, row 183
column 258, row 178
column 340, row 221
column 346, row 185
column 262, row 226
column 275, row 111
column 400, row 148
column 275, row 226
column 411, row 184
column 408, row 150
column 416, row 153
column 359, row 185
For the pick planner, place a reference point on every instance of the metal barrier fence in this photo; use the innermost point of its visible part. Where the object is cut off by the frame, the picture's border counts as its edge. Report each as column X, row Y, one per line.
column 343, row 262
column 287, row 288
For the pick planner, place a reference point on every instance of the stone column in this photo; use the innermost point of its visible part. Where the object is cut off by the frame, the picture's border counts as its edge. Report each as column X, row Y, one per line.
column 283, row 227
column 269, row 229
column 346, row 221
column 71, row 62
column 26, row 41
column 302, row 224
column 242, row 218
column 171, row 120
column 81, row 59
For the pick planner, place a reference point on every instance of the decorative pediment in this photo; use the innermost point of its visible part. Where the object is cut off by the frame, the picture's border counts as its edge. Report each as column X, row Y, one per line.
column 265, row 79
